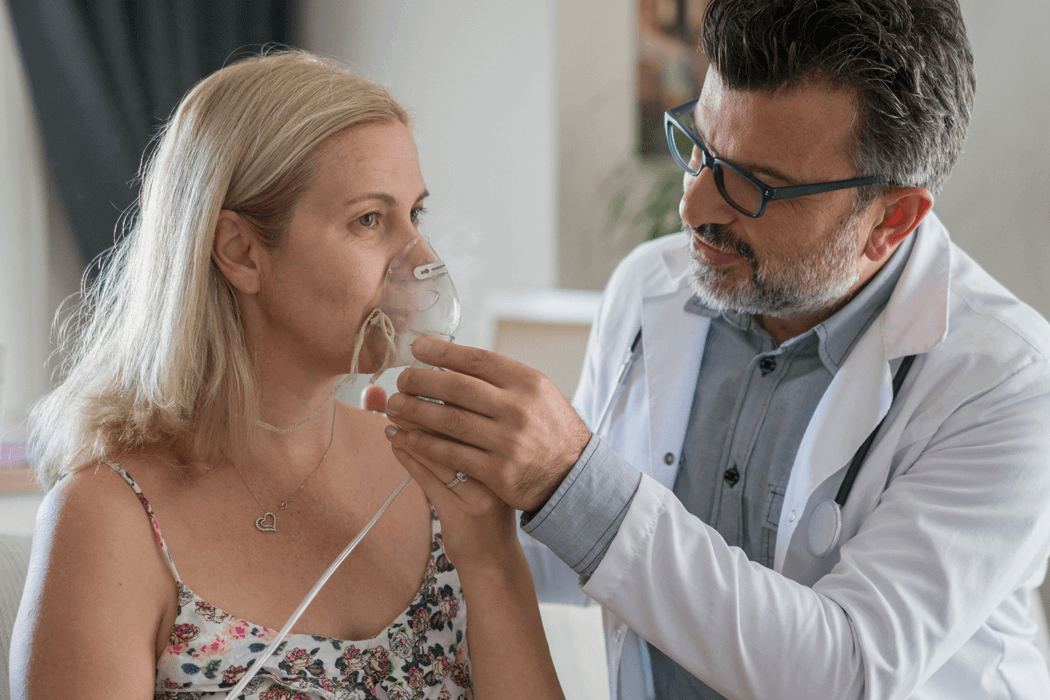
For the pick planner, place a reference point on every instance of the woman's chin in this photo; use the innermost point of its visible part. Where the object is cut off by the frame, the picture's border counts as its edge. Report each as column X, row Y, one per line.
column 365, row 364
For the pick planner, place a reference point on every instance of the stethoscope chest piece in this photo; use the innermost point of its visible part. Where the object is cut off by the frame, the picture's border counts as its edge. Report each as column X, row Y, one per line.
column 825, row 524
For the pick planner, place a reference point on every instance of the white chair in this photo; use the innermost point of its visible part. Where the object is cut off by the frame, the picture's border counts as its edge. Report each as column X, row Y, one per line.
column 544, row 328
column 14, row 562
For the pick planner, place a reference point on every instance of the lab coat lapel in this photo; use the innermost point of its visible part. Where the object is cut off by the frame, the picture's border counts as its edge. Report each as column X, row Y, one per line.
column 672, row 345
column 864, row 385
column 914, row 321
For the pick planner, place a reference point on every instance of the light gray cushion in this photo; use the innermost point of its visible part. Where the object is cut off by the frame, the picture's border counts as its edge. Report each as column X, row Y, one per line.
column 14, row 561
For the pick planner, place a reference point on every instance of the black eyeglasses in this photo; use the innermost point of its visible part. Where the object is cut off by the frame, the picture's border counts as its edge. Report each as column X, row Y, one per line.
column 742, row 190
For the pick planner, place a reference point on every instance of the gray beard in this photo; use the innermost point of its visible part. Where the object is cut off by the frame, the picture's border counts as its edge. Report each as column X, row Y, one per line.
column 801, row 288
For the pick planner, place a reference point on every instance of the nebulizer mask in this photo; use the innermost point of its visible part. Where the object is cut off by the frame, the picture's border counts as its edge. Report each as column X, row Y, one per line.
column 418, row 299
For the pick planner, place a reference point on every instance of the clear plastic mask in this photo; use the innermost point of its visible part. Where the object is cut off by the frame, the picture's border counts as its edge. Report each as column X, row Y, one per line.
column 419, row 299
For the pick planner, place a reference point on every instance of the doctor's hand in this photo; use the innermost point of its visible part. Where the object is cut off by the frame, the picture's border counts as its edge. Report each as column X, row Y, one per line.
column 501, row 422
column 373, row 398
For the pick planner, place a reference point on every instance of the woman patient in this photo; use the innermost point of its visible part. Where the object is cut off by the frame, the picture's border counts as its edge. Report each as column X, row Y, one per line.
column 186, row 521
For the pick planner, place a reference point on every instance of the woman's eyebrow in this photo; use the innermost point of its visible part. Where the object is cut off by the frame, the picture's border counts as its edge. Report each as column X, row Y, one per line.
column 381, row 196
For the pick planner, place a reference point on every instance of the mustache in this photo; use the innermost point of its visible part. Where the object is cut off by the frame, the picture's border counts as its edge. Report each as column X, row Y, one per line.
column 719, row 236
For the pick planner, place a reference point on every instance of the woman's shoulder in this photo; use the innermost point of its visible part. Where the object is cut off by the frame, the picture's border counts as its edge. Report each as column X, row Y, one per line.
column 93, row 542
column 366, row 427
column 96, row 513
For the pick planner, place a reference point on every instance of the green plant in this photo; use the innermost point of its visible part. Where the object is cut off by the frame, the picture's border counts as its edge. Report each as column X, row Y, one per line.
column 642, row 198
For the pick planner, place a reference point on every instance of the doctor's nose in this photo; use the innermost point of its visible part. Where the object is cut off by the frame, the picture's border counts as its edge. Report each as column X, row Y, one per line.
column 701, row 201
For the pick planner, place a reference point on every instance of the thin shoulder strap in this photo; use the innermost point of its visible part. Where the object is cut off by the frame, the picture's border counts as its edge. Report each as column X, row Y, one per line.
column 149, row 512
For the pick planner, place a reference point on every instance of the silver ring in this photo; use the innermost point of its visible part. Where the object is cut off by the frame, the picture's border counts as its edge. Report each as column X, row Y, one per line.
column 460, row 478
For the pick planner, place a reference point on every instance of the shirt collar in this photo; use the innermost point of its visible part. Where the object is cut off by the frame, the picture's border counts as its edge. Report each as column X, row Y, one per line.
column 837, row 335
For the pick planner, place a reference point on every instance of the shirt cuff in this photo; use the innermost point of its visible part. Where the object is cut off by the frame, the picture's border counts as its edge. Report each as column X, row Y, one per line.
column 579, row 522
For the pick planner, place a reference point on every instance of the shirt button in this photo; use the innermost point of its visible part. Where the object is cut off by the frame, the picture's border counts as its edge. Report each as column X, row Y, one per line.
column 791, row 517
column 767, row 365
column 616, row 637
column 669, row 458
column 731, row 476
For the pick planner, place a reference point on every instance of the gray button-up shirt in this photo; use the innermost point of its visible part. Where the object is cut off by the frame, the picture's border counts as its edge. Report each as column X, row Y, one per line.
column 752, row 404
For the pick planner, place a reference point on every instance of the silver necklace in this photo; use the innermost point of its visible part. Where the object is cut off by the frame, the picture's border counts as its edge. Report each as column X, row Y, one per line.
column 268, row 521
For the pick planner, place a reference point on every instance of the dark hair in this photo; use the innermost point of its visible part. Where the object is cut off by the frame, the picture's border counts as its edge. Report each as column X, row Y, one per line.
column 909, row 62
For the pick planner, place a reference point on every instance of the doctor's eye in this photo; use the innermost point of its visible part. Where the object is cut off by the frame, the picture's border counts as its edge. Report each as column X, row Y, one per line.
column 368, row 219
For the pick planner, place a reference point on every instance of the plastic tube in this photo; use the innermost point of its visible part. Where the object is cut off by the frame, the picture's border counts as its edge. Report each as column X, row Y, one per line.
column 239, row 688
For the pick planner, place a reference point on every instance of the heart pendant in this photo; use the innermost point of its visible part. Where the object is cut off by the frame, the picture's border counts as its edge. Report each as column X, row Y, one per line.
column 267, row 523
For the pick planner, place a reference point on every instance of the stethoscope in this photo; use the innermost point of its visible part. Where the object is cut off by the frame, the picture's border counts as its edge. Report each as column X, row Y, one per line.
column 825, row 524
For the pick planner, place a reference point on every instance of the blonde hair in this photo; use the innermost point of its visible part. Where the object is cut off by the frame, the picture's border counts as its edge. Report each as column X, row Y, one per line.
column 156, row 360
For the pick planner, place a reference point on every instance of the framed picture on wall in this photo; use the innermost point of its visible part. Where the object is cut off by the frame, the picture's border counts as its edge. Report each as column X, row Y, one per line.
column 670, row 66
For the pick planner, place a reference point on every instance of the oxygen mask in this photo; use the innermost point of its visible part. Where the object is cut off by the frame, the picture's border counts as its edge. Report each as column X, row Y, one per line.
column 419, row 299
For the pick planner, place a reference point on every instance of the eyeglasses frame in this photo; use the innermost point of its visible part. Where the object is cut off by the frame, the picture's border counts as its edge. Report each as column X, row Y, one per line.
column 672, row 118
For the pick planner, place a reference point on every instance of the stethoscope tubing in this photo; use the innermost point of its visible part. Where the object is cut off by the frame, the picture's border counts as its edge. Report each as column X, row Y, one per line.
column 826, row 520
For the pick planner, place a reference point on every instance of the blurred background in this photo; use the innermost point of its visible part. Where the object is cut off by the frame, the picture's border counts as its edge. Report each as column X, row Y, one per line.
column 538, row 127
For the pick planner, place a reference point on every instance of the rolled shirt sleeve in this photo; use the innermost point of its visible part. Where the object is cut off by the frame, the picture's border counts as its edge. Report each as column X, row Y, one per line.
column 583, row 516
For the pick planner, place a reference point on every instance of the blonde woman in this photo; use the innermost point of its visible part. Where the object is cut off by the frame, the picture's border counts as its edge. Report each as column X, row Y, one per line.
column 185, row 521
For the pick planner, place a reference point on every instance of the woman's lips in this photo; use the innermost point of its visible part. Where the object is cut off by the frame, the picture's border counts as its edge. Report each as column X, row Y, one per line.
column 711, row 255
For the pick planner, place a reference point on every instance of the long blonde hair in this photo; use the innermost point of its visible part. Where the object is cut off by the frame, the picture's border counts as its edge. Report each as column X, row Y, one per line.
column 156, row 358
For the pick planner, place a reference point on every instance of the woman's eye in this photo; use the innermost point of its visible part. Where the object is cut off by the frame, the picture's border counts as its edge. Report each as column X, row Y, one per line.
column 418, row 213
column 367, row 219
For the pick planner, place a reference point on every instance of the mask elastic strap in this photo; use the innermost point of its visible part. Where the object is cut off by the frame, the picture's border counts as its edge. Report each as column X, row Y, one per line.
column 376, row 318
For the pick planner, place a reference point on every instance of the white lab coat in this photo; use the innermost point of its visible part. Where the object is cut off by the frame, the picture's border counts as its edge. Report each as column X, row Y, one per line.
column 944, row 536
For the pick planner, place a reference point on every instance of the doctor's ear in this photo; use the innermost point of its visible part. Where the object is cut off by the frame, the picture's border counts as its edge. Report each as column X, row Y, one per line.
column 237, row 252
column 901, row 209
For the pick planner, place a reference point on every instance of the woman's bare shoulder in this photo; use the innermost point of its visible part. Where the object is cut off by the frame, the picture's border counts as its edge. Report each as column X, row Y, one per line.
column 366, row 426
column 371, row 445
column 96, row 573
column 94, row 514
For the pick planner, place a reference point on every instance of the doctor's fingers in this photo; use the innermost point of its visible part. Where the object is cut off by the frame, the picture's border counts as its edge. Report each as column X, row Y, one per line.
column 373, row 398
column 454, row 388
column 486, row 365
column 446, row 419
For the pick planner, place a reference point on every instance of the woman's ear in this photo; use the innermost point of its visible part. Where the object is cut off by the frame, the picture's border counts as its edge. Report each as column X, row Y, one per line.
column 237, row 251
column 902, row 208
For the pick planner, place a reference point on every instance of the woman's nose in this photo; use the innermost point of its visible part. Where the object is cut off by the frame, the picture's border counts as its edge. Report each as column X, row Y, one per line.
column 405, row 233
column 701, row 201
column 410, row 251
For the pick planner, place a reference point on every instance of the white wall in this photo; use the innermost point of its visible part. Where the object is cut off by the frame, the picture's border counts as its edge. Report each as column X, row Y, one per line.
column 39, row 264
column 23, row 247
column 597, row 126
column 479, row 76
column 997, row 202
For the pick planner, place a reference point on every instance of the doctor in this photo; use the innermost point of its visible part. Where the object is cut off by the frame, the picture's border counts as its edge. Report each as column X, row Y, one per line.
column 824, row 469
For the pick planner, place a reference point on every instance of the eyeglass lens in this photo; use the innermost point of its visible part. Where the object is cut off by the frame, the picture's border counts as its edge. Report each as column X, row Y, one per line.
column 737, row 189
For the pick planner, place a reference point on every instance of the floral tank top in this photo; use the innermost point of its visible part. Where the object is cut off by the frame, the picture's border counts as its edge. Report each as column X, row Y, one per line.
column 422, row 655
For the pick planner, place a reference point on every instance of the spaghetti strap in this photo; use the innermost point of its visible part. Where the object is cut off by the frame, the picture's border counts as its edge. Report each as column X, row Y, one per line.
column 149, row 512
